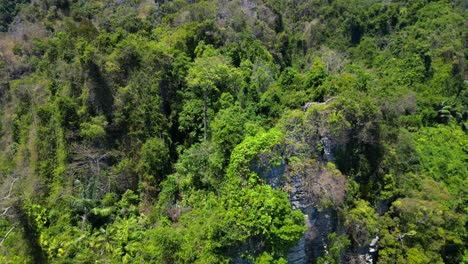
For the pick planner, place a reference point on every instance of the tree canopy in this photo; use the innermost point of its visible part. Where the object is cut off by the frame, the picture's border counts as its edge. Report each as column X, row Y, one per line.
column 210, row 131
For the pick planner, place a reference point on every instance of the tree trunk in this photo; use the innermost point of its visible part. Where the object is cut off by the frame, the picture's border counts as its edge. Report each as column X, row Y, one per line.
column 204, row 115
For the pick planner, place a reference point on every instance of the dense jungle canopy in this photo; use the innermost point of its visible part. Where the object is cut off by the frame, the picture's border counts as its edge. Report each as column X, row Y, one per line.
column 243, row 131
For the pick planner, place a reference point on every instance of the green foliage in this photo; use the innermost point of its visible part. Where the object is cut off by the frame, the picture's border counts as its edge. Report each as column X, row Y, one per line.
column 336, row 244
column 228, row 129
column 215, row 225
column 244, row 153
column 361, row 222
column 148, row 131
column 207, row 79
column 442, row 152
column 315, row 77
column 8, row 10
column 200, row 167
column 424, row 221
column 94, row 130
column 153, row 164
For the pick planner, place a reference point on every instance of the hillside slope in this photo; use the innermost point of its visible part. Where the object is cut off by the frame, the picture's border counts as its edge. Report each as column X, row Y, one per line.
column 245, row 131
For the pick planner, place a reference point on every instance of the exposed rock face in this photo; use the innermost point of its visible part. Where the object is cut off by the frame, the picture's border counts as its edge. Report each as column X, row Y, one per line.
column 307, row 184
column 310, row 104
column 239, row 260
column 297, row 255
column 303, row 166
column 327, row 149
column 315, row 187
column 320, row 224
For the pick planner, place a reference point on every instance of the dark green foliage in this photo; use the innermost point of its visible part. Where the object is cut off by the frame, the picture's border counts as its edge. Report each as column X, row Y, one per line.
column 228, row 129
column 149, row 131
column 153, row 165
column 8, row 11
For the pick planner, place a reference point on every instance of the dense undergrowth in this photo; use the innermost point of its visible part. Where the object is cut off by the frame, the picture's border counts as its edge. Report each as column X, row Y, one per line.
column 136, row 131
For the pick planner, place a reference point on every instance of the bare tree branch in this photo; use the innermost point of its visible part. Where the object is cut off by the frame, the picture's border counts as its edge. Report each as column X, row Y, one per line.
column 5, row 211
column 10, row 190
column 7, row 234
column 402, row 236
